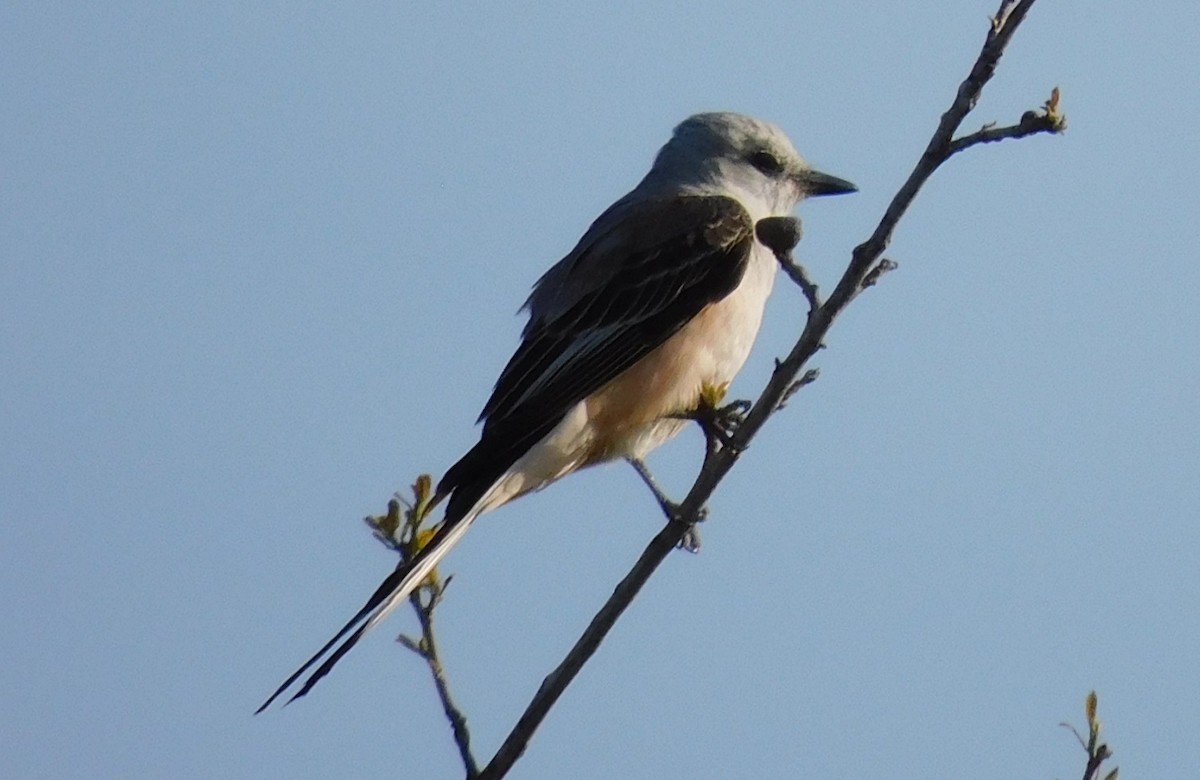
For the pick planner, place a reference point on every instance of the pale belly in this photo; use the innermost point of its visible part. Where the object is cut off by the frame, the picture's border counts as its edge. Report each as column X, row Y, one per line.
column 631, row 415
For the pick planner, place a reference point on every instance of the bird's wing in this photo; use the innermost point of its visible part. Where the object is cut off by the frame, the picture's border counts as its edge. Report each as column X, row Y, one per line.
column 619, row 295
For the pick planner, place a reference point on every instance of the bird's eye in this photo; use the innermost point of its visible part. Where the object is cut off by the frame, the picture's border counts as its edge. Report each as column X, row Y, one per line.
column 766, row 162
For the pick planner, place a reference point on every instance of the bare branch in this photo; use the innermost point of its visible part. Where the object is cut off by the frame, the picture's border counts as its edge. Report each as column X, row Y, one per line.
column 882, row 267
column 865, row 268
column 810, row 376
column 405, row 534
column 781, row 235
column 799, row 274
column 427, row 649
column 1032, row 123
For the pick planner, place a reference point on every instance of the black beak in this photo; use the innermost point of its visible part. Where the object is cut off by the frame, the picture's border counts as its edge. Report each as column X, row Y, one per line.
column 815, row 183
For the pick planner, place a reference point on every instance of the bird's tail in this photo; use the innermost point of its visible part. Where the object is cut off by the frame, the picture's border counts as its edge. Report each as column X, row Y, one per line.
column 396, row 587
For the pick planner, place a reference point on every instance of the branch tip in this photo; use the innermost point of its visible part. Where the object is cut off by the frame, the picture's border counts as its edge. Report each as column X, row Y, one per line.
column 808, row 378
column 403, row 530
column 878, row 270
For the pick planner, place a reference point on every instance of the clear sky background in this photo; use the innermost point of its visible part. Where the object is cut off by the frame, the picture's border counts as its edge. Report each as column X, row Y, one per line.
column 259, row 266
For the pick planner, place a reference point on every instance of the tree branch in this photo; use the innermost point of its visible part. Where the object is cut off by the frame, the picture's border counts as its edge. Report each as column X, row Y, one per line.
column 404, row 534
column 427, row 649
column 781, row 235
column 1032, row 123
column 866, row 266
column 557, row 681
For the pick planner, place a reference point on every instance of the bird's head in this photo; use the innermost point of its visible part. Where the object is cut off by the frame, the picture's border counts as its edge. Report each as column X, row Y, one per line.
column 753, row 159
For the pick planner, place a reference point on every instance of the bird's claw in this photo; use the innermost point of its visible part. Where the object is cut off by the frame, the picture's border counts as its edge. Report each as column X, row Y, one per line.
column 721, row 423
column 690, row 540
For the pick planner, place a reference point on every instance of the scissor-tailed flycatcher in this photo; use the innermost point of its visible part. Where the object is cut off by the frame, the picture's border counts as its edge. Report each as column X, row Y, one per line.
column 661, row 297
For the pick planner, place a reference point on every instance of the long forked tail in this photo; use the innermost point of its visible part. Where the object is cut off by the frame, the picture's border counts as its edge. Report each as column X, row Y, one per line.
column 396, row 587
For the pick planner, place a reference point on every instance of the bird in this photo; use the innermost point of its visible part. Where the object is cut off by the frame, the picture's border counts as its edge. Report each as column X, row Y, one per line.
column 661, row 298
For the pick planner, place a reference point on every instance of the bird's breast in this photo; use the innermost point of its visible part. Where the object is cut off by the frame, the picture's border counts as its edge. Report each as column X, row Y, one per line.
column 633, row 413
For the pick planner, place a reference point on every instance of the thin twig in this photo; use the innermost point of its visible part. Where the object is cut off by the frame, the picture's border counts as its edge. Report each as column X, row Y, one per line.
column 810, row 376
column 720, row 460
column 882, row 267
column 1031, row 123
column 1098, row 752
column 427, row 648
column 799, row 274
column 404, row 534
column 781, row 235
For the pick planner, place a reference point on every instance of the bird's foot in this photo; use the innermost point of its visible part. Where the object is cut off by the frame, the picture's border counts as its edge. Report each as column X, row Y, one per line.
column 690, row 540
column 691, row 537
column 720, row 423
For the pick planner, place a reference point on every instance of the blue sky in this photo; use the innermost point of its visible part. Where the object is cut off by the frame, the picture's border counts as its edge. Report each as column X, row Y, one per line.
column 260, row 265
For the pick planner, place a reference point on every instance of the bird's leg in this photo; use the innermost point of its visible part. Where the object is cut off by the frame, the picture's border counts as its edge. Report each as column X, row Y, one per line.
column 691, row 537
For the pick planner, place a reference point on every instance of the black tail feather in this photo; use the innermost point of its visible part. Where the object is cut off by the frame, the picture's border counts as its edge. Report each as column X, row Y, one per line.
column 324, row 668
column 463, row 492
column 381, row 593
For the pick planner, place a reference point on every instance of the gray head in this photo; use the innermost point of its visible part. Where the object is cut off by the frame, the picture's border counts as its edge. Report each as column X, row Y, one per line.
column 724, row 151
